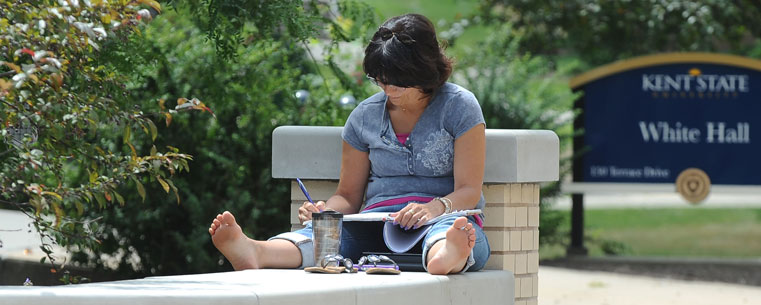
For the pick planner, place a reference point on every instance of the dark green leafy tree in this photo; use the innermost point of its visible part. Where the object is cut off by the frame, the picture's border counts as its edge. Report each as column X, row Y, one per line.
column 251, row 89
column 69, row 137
column 90, row 97
column 602, row 31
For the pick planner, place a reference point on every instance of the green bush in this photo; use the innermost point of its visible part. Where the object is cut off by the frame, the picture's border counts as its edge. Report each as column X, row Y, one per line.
column 521, row 91
column 250, row 95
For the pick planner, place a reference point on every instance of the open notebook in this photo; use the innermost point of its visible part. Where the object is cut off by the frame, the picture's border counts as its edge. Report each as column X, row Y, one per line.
column 386, row 216
column 398, row 239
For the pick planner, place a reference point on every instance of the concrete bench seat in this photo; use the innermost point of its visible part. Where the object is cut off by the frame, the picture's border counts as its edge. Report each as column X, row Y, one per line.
column 517, row 161
column 274, row 286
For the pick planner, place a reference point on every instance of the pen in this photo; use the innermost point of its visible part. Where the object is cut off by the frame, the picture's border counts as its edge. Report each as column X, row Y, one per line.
column 304, row 190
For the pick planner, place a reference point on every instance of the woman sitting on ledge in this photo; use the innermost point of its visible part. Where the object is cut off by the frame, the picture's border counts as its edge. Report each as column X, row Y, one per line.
column 417, row 148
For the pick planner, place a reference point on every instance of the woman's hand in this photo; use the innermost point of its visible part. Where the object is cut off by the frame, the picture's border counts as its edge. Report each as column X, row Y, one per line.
column 306, row 210
column 415, row 215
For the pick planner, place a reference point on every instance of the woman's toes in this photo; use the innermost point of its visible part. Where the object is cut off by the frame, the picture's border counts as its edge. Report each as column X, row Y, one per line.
column 227, row 218
column 460, row 222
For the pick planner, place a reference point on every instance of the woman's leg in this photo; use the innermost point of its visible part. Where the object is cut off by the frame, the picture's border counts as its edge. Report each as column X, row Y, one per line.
column 448, row 248
column 246, row 253
column 449, row 255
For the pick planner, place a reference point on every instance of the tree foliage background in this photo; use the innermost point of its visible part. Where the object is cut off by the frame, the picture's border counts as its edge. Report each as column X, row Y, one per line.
column 602, row 31
column 251, row 91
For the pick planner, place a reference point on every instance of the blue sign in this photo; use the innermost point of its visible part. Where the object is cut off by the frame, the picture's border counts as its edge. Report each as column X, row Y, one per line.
column 653, row 117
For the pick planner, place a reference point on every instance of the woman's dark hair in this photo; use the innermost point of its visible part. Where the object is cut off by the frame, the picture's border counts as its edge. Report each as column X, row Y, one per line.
column 405, row 52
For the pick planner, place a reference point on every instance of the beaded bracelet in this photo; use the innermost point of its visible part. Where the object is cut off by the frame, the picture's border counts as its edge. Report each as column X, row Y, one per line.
column 446, row 202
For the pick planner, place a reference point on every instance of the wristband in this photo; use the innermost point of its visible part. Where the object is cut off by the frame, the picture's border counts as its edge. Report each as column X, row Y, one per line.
column 447, row 204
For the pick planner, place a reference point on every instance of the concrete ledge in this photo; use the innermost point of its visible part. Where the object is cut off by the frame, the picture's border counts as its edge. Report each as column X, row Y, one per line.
column 272, row 286
column 512, row 156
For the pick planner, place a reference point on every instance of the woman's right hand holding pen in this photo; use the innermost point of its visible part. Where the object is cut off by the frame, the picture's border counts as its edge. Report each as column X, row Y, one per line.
column 307, row 208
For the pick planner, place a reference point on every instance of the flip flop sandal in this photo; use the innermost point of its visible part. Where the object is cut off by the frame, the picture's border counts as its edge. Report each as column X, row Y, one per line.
column 376, row 268
column 330, row 264
column 329, row 270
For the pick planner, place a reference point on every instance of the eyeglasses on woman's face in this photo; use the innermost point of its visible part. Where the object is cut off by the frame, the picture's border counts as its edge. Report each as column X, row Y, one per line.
column 385, row 86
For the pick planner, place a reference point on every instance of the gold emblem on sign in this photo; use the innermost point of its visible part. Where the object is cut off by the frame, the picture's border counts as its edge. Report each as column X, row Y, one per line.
column 693, row 184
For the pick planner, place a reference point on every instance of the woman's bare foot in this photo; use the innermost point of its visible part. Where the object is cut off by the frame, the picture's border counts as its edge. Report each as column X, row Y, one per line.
column 227, row 236
column 455, row 249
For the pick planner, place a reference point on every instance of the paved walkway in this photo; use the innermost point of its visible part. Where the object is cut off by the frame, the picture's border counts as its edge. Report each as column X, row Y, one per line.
column 572, row 287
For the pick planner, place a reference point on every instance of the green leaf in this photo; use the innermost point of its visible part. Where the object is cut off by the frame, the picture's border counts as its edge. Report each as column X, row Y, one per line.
column 176, row 194
column 134, row 152
column 140, row 188
column 127, row 132
column 54, row 194
column 80, row 208
column 154, row 131
column 58, row 213
column 93, row 176
column 100, row 199
column 152, row 3
column 145, row 129
column 153, row 150
column 163, row 184
column 119, row 198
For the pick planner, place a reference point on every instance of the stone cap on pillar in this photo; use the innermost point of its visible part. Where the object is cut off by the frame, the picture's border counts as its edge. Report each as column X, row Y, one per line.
column 512, row 155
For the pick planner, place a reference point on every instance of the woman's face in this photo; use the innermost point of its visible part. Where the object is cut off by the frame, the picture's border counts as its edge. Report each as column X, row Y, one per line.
column 392, row 91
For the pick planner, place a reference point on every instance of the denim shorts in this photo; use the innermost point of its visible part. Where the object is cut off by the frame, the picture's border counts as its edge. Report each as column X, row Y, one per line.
column 358, row 237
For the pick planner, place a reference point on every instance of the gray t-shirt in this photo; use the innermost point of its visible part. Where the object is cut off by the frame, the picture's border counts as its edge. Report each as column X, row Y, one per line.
column 423, row 166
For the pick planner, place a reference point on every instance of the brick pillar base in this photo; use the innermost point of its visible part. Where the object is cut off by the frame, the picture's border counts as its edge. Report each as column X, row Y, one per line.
column 512, row 226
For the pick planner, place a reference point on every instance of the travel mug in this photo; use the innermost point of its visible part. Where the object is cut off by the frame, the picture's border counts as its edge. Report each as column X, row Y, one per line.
column 326, row 234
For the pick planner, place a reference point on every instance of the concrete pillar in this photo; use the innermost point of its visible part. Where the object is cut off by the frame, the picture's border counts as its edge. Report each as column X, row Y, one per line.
column 512, row 226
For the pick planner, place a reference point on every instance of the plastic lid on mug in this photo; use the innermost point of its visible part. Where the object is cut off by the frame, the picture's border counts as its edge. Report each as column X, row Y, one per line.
column 327, row 215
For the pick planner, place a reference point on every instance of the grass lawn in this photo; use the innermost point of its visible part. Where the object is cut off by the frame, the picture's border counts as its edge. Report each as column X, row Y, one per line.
column 433, row 9
column 692, row 232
